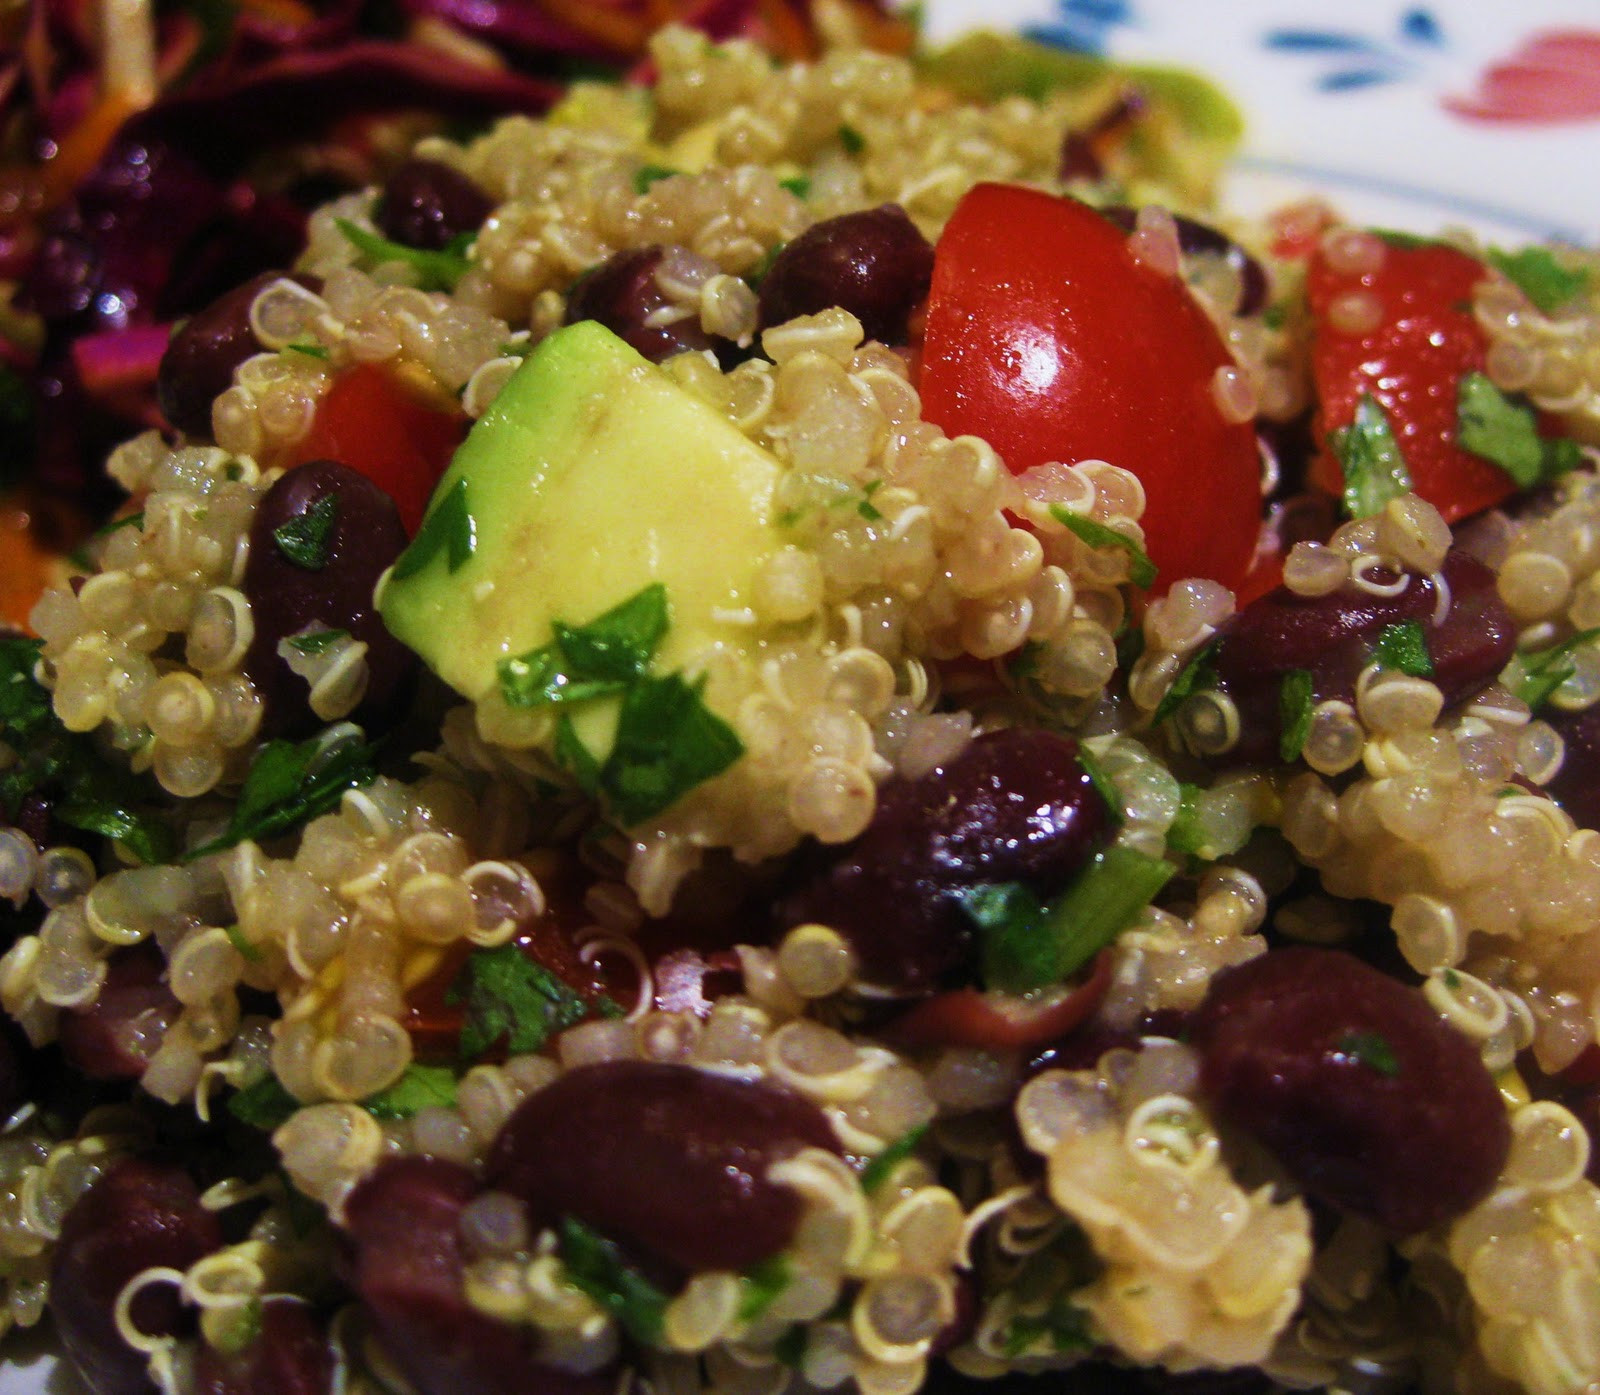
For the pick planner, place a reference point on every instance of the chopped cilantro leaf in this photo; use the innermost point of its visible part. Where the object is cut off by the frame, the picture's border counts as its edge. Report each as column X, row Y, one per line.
column 1185, row 834
column 449, row 528
column 880, row 1165
column 576, row 758
column 668, row 741
column 1405, row 646
column 1543, row 279
column 316, row 641
column 646, row 175
column 289, row 784
column 247, row 950
column 596, row 1266
column 799, row 186
column 761, row 1286
column 510, row 998
column 865, row 507
column 1295, row 702
column 310, row 350
column 1195, row 676
column 241, row 1327
column 590, row 660
column 1372, row 1050
column 436, row 271
column 1374, row 469
column 1544, row 670
column 1061, row 1328
column 263, row 1105
column 1141, row 570
column 852, row 140
column 303, row 539
column 420, row 1087
column 116, row 525
column 1506, row 433
column 1104, row 785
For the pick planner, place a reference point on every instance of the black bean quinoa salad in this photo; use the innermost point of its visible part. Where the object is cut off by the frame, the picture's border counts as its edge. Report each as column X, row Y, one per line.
column 805, row 728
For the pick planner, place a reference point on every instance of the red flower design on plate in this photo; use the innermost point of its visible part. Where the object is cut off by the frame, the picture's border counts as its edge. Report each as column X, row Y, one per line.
column 1553, row 76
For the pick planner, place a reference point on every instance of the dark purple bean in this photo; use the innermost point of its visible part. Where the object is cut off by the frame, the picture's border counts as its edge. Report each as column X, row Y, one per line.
column 114, row 1037
column 1351, row 1080
column 1014, row 806
column 404, row 1224
column 137, row 1215
column 668, row 1161
column 199, row 362
column 621, row 293
column 428, row 204
column 290, row 1355
column 875, row 264
column 1333, row 637
column 1576, row 786
column 288, row 593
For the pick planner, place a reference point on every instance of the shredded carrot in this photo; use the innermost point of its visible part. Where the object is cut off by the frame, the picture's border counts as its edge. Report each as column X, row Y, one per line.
column 624, row 33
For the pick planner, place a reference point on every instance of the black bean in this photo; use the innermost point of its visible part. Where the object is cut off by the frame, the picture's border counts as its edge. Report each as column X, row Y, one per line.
column 1014, row 806
column 199, row 362
column 137, row 1215
column 322, row 577
column 1576, row 785
column 404, row 1231
column 622, row 294
column 1333, row 638
column 114, row 1037
column 289, row 1355
column 1351, row 1080
column 668, row 1161
column 428, row 204
column 875, row 264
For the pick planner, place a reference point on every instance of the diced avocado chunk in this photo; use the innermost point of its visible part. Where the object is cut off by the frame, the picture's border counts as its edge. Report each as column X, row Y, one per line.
column 592, row 480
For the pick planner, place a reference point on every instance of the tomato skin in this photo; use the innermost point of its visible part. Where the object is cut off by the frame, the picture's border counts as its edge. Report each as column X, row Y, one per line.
column 1049, row 339
column 1000, row 1021
column 1412, row 364
column 369, row 420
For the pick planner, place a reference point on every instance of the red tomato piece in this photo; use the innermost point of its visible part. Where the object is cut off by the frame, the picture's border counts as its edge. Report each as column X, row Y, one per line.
column 1411, row 363
column 1050, row 340
column 1002, row 1021
column 372, row 422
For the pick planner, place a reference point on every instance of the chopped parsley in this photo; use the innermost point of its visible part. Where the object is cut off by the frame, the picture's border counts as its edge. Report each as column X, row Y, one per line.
column 864, row 506
column 1195, row 676
column 1544, row 670
column 668, row 741
column 1185, row 834
column 304, row 538
column 436, row 271
column 289, row 784
column 852, row 140
column 310, row 350
column 449, row 528
column 1374, row 469
column 116, row 525
column 510, row 999
column 595, row 1265
column 1543, row 279
column 243, row 1327
column 1061, row 1328
column 88, row 790
column 1141, row 570
column 799, row 186
column 263, row 1105
column 246, row 949
column 761, row 1285
column 646, row 175
column 1027, row 944
column 1506, row 433
column 592, row 660
column 1296, row 699
column 419, row 1088
column 1404, row 646
column 880, row 1165
column 316, row 641
column 1372, row 1050
column 1104, row 785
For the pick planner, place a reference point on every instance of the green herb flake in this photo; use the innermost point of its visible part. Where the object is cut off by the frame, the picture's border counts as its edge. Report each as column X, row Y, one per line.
column 1104, row 785
column 852, row 140
column 1060, row 1329
column 1027, row 945
column 304, row 538
column 1374, row 469
column 1543, row 279
column 116, row 525
column 240, row 1328
column 510, row 999
column 1275, row 316
column 449, row 529
column 1542, row 671
column 1141, row 570
column 1452, row 980
column 759, row 1287
column 421, row 1087
column 436, row 270
column 668, row 741
column 1185, row 834
column 647, row 175
column 1404, row 646
column 1195, row 676
column 591, row 660
column 596, row 1266
column 799, row 186
column 316, row 641
column 247, row 951
column 865, row 507
column 1295, row 702
column 289, row 784
column 1506, row 433
column 1372, row 1050
column 576, row 758
column 880, row 1166
column 264, row 1105
column 310, row 350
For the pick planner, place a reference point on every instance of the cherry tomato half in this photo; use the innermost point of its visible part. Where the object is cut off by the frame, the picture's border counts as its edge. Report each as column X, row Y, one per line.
column 1047, row 337
column 372, row 422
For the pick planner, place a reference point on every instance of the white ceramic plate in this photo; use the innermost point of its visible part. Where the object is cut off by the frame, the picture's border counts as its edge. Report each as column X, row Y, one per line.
column 1406, row 115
